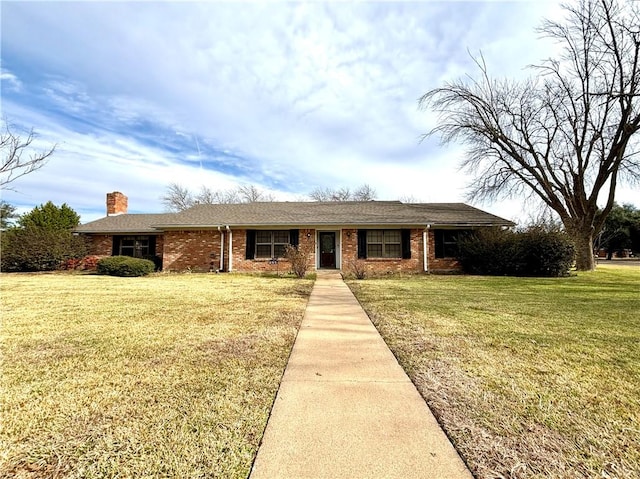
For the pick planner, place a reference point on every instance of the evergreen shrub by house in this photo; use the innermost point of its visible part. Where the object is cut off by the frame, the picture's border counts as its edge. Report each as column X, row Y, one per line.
column 125, row 266
column 39, row 249
column 536, row 251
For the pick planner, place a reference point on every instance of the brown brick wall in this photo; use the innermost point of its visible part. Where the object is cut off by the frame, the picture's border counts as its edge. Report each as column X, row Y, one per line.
column 240, row 263
column 190, row 250
column 100, row 245
column 382, row 265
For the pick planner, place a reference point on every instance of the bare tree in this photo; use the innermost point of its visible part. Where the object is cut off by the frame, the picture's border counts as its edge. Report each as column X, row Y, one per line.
column 567, row 135
column 18, row 158
column 179, row 198
column 362, row 193
column 253, row 194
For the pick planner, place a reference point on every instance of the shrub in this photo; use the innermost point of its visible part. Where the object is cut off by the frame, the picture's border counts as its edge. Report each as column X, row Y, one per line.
column 536, row 251
column 86, row 263
column 90, row 262
column 156, row 260
column 491, row 251
column 299, row 257
column 358, row 268
column 125, row 266
column 546, row 253
column 71, row 264
column 39, row 249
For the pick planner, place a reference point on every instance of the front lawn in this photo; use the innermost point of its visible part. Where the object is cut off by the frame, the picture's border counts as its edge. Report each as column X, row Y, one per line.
column 162, row 376
column 531, row 378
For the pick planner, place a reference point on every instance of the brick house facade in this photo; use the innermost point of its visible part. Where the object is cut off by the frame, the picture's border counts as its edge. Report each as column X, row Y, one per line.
column 383, row 237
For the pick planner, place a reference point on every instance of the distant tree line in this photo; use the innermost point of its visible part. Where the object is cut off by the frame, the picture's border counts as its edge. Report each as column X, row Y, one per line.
column 621, row 231
column 179, row 197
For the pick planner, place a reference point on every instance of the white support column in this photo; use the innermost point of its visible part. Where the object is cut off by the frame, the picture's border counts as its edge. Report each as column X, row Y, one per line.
column 425, row 248
column 230, row 249
column 221, row 248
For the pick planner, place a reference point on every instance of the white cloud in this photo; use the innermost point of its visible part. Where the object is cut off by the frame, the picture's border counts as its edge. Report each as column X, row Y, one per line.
column 287, row 95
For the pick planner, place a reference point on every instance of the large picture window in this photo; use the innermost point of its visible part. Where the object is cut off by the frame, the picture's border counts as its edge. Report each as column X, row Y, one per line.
column 271, row 244
column 447, row 242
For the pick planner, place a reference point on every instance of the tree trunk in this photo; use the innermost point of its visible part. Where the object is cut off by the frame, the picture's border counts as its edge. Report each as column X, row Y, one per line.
column 583, row 241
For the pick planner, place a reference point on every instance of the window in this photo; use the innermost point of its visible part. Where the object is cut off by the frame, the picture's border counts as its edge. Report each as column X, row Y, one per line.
column 271, row 244
column 136, row 246
column 384, row 244
column 447, row 242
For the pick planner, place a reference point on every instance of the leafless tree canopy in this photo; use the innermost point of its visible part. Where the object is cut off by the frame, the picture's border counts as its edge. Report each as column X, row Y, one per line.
column 566, row 135
column 18, row 158
column 362, row 193
column 179, row 198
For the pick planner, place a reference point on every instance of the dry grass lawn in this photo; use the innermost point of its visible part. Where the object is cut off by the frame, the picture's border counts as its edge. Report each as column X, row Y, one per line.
column 163, row 376
column 531, row 378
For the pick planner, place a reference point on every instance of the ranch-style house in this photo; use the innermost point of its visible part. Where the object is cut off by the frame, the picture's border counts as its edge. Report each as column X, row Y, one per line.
column 389, row 236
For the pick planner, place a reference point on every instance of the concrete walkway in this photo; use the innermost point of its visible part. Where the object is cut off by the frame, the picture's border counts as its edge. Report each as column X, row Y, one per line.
column 345, row 408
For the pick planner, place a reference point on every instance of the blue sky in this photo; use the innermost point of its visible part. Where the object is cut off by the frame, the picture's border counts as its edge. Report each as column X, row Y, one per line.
column 288, row 96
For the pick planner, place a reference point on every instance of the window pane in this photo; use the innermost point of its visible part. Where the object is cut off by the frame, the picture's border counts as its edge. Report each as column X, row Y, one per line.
column 451, row 250
column 278, row 250
column 450, row 236
column 263, row 251
column 281, row 237
column 392, row 236
column 392, row 251
column 263, row 236
column 374, row 236
column 374, row 251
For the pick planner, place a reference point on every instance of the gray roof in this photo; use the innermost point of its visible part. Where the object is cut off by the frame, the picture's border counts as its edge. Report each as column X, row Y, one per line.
column 306, row 213
column 125, row 223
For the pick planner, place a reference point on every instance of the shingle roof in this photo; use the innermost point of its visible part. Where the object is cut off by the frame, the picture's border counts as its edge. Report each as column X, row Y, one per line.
column 126, row 223
column 351, row 213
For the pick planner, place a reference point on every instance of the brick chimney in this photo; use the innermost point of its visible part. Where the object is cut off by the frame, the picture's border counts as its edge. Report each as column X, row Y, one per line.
column 116, row 203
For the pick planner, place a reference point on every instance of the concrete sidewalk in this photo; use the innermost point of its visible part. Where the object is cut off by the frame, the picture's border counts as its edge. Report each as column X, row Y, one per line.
column 345, row 408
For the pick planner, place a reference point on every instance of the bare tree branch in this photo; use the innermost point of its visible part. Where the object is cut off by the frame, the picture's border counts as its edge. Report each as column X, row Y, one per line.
column 569, row 133
column 363, row 193
column 179, row 198
column 17, row 159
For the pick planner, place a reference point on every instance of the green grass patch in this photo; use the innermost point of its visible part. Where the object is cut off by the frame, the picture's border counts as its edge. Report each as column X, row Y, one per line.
column 531, row 378
column 162, row 376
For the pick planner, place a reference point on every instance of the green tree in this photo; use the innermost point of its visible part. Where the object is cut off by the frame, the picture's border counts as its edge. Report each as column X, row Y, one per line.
column 51, row 217
column 567, row 135
column 7, row 214
column 621, row 229
column 42, row 240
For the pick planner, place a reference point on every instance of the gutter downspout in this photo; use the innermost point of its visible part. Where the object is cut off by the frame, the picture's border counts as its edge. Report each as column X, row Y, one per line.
column 230, row 251
column 221, row 249
column 425, row 248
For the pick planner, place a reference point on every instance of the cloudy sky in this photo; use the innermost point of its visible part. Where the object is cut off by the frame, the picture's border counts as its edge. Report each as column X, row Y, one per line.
column 288, row 96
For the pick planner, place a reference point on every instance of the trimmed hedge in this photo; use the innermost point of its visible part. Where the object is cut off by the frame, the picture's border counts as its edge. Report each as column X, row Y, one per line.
column 535, row 251
column 125, row 266
column 39, row 249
